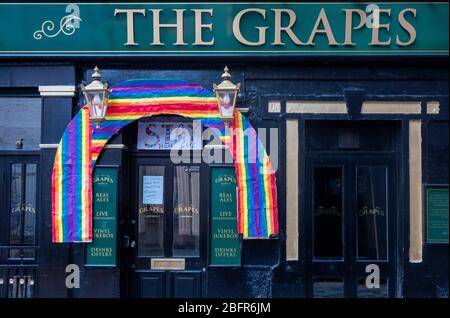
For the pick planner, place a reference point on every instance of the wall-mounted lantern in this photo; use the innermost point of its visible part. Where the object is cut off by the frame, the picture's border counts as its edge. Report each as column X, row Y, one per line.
column 226, row 94
column 97, row 95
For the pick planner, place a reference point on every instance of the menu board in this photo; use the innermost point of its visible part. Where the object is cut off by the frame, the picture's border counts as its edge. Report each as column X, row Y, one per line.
column 437, row 214
column 103, row 249
column 225, row 243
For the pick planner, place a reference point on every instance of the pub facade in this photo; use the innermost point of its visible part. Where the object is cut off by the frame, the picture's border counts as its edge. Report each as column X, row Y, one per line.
column 316, row 167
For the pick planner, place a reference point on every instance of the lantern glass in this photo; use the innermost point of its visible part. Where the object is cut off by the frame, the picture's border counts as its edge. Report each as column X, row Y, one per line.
column 97, row 95
column 226, row 94
column 98, row 103
column 226, row 100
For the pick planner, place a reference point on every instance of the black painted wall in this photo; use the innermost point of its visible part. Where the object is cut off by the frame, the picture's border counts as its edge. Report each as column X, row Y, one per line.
column 264, row 272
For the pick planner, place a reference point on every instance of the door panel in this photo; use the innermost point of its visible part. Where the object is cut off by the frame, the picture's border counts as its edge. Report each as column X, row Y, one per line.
column 152, row 285
column 186, row 284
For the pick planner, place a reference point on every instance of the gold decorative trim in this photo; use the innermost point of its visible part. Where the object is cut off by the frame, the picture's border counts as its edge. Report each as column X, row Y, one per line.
column 433, row 107
column 415, row 192
column 391, row 107
column 292, row 193
column 316, row 107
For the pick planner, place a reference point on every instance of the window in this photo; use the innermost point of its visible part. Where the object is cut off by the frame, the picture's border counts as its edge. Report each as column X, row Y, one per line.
column 186, row 211
column 22, row 220
column 328, row 212
column 20, row 123
column 151, row 211
column 372, row 212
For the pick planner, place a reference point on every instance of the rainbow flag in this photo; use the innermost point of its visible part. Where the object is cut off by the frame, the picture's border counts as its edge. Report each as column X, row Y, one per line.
column 132, row 100
column 72, row 183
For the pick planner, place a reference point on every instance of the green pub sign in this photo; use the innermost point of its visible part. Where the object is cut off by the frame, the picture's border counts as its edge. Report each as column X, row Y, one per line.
column 103, row 249
column 227, row 28
column 225, row 243
column 437, row 214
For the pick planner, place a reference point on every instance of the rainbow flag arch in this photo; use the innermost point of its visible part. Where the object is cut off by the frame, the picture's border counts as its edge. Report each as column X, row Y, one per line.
column 82, row 143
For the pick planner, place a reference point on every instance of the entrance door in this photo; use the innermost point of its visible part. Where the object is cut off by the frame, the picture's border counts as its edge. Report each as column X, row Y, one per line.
column 18, row 211
column 166, row 230
column 351, row 219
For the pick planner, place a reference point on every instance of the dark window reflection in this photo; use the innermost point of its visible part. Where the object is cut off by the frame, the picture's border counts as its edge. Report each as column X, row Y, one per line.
column 14, row 114
column 151, row 211
column 328, row 212
column 380, row 291
column 328, row 288
column 22, row 221
column 372, row 212
column 186, row 211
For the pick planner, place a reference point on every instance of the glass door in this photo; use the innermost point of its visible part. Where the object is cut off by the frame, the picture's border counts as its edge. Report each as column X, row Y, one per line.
column 166, row 229
column 374, row 222
column 351, row 219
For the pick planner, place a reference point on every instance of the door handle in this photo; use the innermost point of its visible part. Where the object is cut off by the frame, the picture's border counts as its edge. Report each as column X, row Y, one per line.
column 126, row 241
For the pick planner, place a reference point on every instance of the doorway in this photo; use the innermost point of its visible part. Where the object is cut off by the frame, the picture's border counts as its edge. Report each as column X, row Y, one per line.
column 167, row 229
column 352, row 206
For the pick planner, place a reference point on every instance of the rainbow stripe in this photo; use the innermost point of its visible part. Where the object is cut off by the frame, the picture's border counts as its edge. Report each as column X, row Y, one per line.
column 134, row 99
column 257, row 195
column 72, row 183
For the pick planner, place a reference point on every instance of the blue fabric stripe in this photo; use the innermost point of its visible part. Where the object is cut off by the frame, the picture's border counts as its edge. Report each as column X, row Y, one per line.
column 144, row 81
column 262, row 221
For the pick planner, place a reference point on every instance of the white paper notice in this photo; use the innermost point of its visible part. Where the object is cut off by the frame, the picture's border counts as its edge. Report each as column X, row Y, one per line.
column 152, row 192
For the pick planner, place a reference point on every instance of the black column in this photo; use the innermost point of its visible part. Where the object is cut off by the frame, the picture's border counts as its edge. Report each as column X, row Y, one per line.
column 53, row 258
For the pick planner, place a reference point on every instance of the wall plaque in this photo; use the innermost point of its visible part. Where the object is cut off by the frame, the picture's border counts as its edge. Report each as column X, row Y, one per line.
column 103, row 249
column 437, row 214
column 225, row 243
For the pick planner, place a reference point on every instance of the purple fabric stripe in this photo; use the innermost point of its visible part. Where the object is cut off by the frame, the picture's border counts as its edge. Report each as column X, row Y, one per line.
column 71, row 181
column 146, row 88
column 253, row 176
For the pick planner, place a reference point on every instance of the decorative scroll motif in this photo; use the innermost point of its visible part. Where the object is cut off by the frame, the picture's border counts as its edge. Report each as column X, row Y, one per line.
column 134, row 99
column 66, row 26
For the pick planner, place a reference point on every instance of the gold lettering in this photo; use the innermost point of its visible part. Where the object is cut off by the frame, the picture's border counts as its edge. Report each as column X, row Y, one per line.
column 407, row 27
column 287, row 29
column 157, row 25
column 377, row 26
column 349, row 25
column 130, row 23
column 237, row 28
column 326, row 29
column 199, row 26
